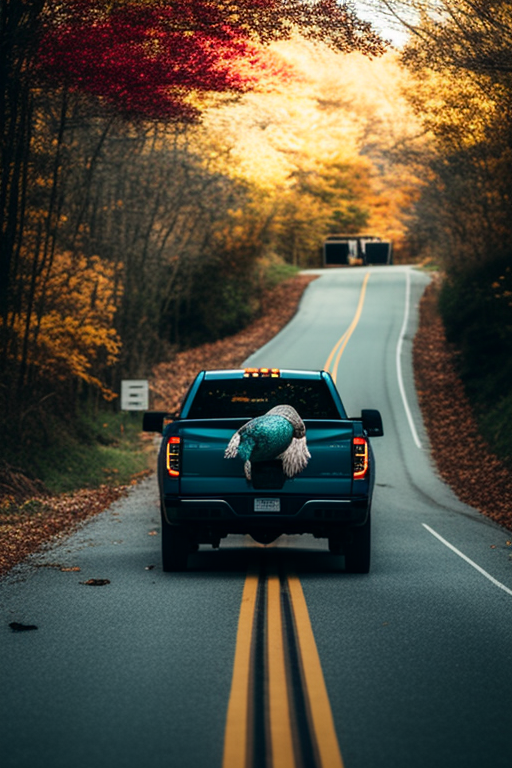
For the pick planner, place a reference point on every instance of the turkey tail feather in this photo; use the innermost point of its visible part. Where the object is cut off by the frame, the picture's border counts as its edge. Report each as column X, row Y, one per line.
column 296, row 457
column 231, row 451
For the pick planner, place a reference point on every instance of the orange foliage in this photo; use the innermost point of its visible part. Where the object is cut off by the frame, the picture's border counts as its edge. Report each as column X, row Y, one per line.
column 74, row 334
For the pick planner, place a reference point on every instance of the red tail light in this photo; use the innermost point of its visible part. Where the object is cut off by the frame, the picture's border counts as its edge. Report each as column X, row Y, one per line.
column 173, row 456
column 360, row 458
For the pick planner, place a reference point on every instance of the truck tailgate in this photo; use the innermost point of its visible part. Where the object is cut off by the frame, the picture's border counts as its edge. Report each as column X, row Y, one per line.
column 205, row 471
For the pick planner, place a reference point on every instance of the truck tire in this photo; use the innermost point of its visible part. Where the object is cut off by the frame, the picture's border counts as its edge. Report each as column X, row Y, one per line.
column 175, row 548
column 358, row 548
column 336, row 545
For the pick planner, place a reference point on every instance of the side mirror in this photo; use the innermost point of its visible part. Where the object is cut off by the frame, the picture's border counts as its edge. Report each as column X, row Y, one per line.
column 153, row 421
column 372, row 422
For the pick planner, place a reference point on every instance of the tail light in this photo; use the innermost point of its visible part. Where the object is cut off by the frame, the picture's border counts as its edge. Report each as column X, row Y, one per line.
column 173, row 456
column 360, row 467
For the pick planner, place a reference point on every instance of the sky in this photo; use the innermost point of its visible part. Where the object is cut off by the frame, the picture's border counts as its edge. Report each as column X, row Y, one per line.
column 389, row 28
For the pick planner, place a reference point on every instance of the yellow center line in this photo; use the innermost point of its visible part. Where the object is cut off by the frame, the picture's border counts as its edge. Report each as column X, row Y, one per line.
column 342, row 342
column 322, row 722
column 237, row 748
column 279, row 706
column 334, row 350
column 237, row 725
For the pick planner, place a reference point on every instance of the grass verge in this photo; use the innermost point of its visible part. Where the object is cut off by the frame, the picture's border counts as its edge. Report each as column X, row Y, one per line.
column 91, row 451
column 102, row 449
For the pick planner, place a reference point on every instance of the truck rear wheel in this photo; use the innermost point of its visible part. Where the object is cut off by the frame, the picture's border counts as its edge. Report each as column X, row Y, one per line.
column 175, row 548
column 357, row 549
column 336, row 545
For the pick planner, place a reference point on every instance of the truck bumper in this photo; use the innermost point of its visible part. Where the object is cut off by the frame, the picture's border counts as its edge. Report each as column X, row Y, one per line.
column 295, row 515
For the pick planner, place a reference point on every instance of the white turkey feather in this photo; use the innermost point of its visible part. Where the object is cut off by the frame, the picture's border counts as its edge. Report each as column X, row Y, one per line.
column 232, row 449
column 296, row 457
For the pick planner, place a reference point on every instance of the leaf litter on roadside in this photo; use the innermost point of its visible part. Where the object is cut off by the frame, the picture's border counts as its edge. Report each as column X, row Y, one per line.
column 464, row 460
column 22, row 534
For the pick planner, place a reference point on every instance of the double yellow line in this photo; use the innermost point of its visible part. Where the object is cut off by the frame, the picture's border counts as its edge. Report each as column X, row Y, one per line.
column 238, row 746
column 236, row 736
column 283, row 740
column 342, row 342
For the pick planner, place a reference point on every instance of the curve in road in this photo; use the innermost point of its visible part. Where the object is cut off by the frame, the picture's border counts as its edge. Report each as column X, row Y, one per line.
column 415, row 656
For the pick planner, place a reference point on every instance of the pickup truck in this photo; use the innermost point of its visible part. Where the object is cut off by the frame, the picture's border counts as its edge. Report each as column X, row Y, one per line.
column 205, row 495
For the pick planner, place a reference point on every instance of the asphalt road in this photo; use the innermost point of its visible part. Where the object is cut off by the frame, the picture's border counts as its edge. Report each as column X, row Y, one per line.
column 416, row 656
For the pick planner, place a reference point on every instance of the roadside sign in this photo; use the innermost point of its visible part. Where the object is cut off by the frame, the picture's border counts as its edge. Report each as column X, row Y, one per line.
column 134, row 395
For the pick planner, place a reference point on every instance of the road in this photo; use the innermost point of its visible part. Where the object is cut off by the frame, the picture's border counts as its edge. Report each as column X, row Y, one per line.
column 409, row 665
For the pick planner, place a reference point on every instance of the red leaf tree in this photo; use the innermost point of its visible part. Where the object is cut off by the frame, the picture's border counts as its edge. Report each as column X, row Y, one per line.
column 144, row 57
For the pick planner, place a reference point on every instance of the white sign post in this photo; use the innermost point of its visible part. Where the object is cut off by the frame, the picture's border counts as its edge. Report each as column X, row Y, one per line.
column 134, row 395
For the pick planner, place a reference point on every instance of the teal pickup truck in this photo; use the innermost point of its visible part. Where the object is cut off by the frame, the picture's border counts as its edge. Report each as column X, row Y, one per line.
column 217, row 477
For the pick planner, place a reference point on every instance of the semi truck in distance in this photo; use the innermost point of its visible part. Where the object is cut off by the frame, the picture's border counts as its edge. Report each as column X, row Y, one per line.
column 356, row 250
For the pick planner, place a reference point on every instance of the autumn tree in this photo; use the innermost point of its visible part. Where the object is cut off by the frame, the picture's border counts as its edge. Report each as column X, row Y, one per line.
column 327, row 148
column 19, row 24
column 147, row 58
column 462, row 91
column 459, row 57
column 98, row 185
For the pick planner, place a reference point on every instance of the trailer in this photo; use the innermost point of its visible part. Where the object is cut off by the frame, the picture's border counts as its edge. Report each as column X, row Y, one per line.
column 354, row 250
column 379, row 252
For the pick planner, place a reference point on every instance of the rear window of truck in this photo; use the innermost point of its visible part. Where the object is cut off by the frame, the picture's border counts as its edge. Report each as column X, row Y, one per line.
column 247, row 398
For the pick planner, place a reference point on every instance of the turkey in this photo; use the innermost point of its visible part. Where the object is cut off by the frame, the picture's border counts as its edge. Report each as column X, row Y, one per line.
column 278, row 434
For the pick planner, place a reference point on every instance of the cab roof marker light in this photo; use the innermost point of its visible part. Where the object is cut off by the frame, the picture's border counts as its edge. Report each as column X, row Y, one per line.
column 273, row 373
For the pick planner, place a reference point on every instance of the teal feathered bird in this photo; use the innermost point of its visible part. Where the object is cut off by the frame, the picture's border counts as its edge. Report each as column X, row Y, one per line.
column 278, row 434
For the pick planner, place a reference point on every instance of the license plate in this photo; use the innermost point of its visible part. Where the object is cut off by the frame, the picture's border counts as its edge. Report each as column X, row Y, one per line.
column 267, row 505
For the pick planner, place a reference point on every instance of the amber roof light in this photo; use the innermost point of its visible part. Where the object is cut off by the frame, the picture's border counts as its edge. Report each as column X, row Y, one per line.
column 256, row 373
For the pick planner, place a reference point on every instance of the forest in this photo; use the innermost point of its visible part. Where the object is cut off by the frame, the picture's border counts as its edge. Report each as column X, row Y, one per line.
column 458, row 57
column 165, row 161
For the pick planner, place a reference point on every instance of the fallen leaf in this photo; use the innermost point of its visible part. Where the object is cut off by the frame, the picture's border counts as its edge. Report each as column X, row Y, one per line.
column 152, row 533
column 96, row 582
column 73, row 568
column 17, row 627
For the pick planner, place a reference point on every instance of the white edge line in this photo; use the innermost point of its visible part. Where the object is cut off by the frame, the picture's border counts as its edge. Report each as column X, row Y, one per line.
column 467, row 559
column 399, row 360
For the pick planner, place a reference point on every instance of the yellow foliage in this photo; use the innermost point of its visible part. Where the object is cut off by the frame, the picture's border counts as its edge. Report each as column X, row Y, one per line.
column 74, row 336
column 455, row 106
column 341, row 114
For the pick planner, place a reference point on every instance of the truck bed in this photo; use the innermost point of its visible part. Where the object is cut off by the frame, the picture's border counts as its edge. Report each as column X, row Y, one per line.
column 205, row 470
